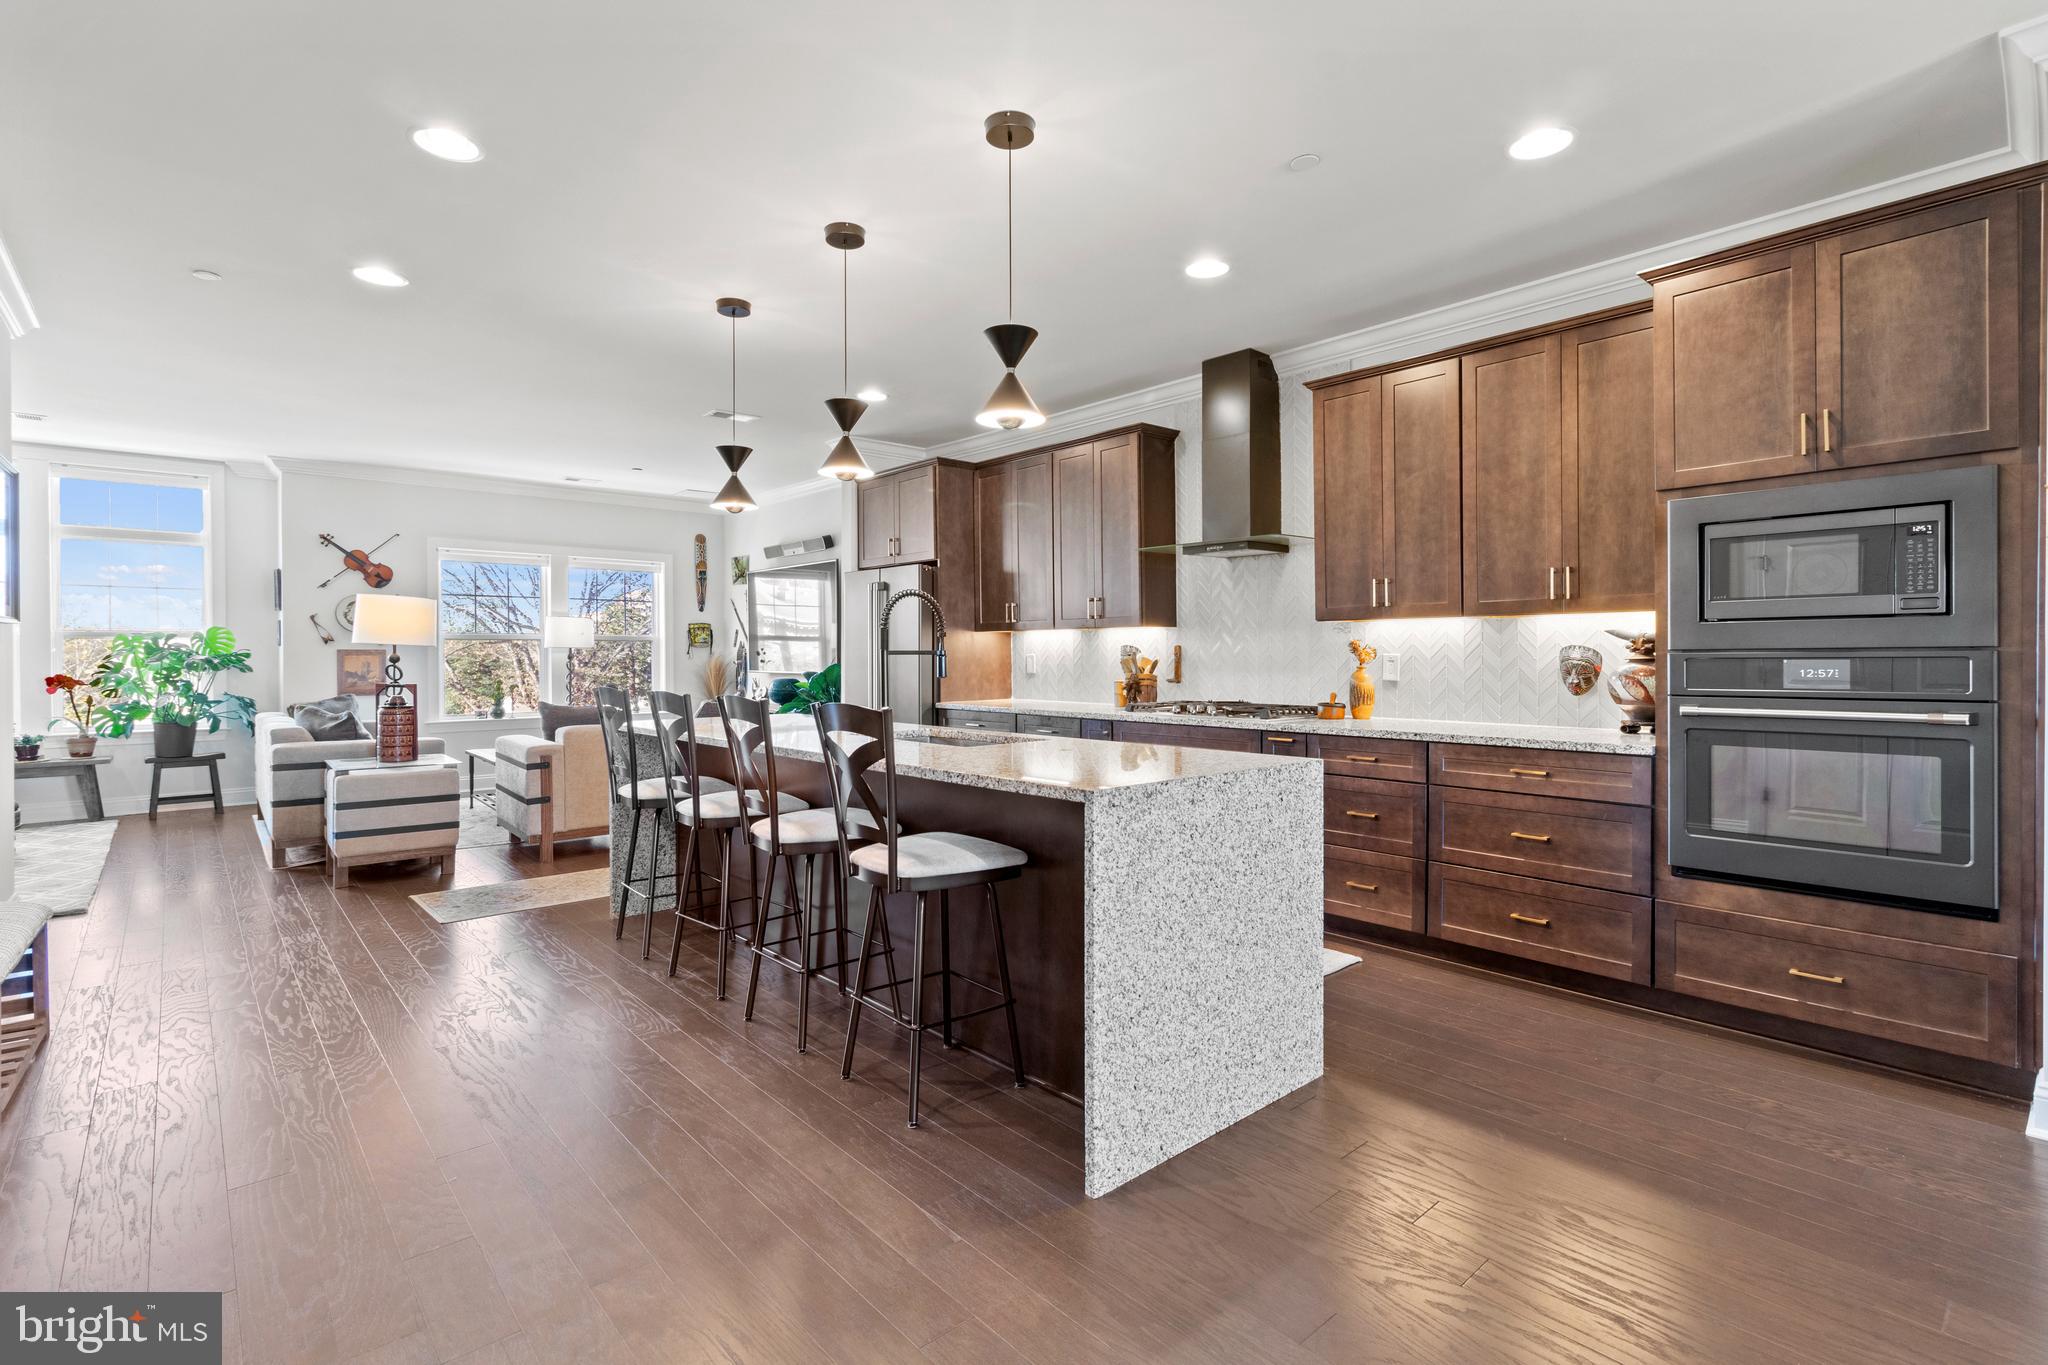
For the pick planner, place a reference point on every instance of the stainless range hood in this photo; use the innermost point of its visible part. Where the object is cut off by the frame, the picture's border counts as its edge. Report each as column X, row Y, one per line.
column 1240, row 459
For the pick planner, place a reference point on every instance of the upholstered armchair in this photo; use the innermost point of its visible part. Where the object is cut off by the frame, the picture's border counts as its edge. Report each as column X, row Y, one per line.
column 291, row 782
column 551, row 789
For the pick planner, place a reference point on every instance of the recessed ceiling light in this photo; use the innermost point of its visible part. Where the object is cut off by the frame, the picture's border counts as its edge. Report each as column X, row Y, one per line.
column 728, row 415
column 1207, row 268
column 1307, row 161
column 447, row 144
column 1538, row 143
column 871, row 394
column 28, row 416
column 207, row 275
column 383, row 276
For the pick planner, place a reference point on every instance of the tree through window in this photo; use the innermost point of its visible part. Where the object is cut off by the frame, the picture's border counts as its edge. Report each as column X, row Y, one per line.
column 624, row 600
column 491, row 613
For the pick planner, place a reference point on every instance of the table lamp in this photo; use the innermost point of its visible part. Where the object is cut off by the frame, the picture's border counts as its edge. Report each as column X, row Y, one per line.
column 394, row 621
column 569, row 632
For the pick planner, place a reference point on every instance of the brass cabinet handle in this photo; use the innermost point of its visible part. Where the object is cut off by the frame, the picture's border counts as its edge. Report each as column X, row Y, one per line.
column 1363, row 886
column 1827, row 429
column 1357, row 758
column 1387, row 592
column 1815, row 976
column 1375, row 592
column 1530, row 772
column 1363, row 814
column 1567, row 582
column 1538, row 920
column 1279, row 739
column 1805, row 425
column 1553, row 582
column 1532, row 838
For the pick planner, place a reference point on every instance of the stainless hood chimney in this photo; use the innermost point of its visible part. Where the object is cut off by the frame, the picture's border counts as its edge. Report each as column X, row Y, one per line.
column 1240, row 458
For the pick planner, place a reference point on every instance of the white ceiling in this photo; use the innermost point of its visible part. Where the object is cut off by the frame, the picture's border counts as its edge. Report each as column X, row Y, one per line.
column 645, row 156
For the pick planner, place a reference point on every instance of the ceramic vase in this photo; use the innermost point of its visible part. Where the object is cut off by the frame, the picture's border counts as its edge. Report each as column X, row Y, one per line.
column 81, row 746
column 1633, row 686
column 1362, row 695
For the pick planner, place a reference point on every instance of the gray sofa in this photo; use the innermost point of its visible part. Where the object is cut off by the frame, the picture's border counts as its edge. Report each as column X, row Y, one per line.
column 291, row 782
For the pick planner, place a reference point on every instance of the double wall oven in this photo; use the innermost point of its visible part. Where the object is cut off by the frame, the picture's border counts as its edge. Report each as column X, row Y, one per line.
column 1833, row 689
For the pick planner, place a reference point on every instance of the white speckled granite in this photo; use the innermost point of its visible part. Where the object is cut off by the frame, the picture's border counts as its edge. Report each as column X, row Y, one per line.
column 1202, row 920
column 1577, row 738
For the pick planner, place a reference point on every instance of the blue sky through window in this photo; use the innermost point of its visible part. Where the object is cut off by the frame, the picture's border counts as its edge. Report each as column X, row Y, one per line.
column 130, row 506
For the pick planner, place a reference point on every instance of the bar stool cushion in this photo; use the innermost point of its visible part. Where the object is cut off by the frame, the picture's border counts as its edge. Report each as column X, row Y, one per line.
column 922, row 856
column 725, row 805
column 649, row 791
column 808, row 828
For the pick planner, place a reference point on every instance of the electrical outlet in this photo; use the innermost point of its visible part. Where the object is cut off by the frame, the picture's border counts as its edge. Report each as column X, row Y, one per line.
column 1390, row 668
column 1030, row 665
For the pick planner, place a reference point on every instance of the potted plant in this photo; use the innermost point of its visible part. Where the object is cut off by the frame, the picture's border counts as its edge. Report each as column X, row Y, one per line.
column 81, row 703
column 802, row 696
column 497, row 699
column 168, row 680
column 27, row 747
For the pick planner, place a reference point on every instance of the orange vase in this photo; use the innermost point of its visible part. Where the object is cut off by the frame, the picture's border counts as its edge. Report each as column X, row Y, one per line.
column 1362, row 694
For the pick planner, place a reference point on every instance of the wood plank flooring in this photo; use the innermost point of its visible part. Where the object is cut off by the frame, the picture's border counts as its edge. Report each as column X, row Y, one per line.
column 511, row 1140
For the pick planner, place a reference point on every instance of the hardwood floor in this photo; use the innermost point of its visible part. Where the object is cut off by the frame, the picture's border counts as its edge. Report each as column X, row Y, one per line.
column 510, row 1140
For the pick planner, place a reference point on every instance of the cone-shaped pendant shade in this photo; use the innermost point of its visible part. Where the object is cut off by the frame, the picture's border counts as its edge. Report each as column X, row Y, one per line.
column 734, row 456
column 733, row 497
column 845, row 411
column 1011, row 340
column 1009, row 407
column 845, row 463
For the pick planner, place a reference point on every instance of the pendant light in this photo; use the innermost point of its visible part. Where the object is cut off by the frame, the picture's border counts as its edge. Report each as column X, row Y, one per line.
column 734, row 497
column 1009, row 407
column 845, row 463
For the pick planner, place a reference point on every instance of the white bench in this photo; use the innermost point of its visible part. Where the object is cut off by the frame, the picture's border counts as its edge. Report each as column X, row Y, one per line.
column 24, row 991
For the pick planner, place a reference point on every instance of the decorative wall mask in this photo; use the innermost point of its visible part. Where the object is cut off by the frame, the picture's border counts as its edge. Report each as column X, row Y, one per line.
column 1580, row 666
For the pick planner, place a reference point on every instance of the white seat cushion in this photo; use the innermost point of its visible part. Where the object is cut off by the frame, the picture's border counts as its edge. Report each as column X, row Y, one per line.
column 815, row 827
column 920, row 857
column 650, row 791
column 725, row 805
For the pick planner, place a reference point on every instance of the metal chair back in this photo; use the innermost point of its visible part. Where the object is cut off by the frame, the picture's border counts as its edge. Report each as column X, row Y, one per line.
column 855, row 739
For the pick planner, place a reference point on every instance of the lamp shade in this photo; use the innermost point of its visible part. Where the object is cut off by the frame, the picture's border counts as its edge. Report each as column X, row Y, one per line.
column 569, row 632
column 1009, row 407
column 387, row 620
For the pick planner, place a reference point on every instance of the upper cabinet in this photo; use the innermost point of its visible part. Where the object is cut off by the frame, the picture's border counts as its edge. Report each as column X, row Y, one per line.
column 1013, row 530
column 1897, row 340
column 898, row 515
column 1348, row 490
column 1613, row 536
column 1112, row 497
column 1514, row 478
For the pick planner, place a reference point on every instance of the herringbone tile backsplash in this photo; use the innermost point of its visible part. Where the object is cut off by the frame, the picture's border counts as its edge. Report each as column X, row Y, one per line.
column 1248, row 629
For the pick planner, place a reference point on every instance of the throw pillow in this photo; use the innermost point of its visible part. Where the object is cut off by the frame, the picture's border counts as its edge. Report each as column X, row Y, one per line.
column 554, row 717
column 333, row 718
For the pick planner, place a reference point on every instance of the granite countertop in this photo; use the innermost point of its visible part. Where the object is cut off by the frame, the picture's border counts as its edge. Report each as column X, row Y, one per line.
column 1579, row 739
column 1031, row 765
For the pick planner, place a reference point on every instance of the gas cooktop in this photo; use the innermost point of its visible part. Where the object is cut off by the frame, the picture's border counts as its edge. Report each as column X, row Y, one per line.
column 1246, row 710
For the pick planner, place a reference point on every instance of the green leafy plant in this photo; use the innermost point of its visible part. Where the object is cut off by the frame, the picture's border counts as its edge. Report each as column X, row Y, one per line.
column 816, row 687
column 168, row 680
column 27, row 741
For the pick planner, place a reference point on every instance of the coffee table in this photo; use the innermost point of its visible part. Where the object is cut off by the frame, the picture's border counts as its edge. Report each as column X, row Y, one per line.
column 391, row 812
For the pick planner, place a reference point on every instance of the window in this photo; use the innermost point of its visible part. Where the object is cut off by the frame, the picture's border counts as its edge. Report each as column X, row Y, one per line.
column 794, row 618
column 131, row 559
column 624, row 599
column 492, row 607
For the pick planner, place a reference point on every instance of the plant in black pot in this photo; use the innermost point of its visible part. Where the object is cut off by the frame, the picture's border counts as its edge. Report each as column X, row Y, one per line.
column 168, row 681
column 27, row 747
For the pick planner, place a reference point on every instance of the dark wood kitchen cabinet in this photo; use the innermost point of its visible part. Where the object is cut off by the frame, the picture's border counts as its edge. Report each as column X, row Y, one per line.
column 1349, row 485
column 1111, row 497
column 1513, row 531
column 898, row 514
column 1613, row 536
column 1014, row 544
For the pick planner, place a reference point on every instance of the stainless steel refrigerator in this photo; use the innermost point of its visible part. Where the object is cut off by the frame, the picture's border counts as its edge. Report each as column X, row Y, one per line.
column 913, row 691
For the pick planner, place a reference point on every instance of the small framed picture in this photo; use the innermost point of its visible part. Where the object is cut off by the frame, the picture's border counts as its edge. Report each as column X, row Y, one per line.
column 357, row 672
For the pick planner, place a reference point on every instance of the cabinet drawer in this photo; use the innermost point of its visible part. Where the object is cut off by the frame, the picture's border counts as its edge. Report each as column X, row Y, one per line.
column 1373, row 888
column 1289, row 745
column 1946, row 999
column 1590, row 843
column 1592, row 931
column 1098, row 729
column 1542, row 772
column 978, row 720
column 1386, row 817
column 1188, row 736
column 1069, row 726
column 1389, row 760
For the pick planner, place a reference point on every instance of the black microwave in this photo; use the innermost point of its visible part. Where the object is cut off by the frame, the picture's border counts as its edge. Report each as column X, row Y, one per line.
column 1859, row 563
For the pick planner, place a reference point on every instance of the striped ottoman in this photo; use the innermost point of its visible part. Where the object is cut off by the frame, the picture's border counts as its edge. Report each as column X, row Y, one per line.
column 391, row 812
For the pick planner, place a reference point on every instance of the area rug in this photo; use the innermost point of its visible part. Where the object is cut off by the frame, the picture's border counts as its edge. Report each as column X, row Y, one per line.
column 59, row 865
column 480, row 827
column 502, row 898
column 1333, row 961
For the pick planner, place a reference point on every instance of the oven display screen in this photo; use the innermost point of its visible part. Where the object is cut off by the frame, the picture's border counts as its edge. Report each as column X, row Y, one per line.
column 1816, row 675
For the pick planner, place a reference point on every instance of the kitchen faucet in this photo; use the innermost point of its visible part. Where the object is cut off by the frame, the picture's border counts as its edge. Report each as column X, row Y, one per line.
column 938, row 649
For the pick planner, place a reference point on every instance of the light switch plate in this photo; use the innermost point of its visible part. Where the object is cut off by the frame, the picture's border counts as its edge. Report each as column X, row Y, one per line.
column 1030, row 665
column 1390, row 668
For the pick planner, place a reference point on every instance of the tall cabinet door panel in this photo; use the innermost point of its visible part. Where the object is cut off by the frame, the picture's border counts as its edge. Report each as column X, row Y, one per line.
column 876, row 509
column 995, row 548
column 1420, row 515
column 1917, row 335
column 1349, row 486
column 1513, row 479
column 1077, row 536
column 1612, row 542
column 1116, row 556
column 1030, row 528
column 917, row 536
column 1734, row 374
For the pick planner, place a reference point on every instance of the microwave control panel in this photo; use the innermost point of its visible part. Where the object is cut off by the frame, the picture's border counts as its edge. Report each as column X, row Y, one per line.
column 1921, row 564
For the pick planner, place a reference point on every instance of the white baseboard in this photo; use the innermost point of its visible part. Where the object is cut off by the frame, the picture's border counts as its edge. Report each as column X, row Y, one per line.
column 2037, row 1117
column 51, row 812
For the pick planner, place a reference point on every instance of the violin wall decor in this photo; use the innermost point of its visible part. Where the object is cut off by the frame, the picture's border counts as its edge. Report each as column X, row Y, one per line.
column 360, row 561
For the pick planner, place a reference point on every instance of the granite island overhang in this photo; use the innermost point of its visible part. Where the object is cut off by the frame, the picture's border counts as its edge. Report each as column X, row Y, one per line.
column 1165, row 941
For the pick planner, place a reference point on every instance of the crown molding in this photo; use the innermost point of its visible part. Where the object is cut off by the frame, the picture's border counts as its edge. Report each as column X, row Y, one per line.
column 56, row 452
column 882, row 456
column 285, row 465
column 17, row 315
column 1603, row 284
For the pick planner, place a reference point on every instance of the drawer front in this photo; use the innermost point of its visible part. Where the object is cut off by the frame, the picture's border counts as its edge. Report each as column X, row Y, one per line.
column 1387, row 760
column 1589, row 843
column 1568, row 926
column 1188, row 736
column 1386, row 817
column 1946, row 999
column 1289, row 746
column 1069, row 726
column 1543, row 772
column 1098, row 729
column 978, row 720
column 1374, row 888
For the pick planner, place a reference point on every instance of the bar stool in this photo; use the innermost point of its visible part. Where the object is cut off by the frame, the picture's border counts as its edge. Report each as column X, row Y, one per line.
column 704, row 810
column 672, row 713
column 622, row 759
column 855, row 739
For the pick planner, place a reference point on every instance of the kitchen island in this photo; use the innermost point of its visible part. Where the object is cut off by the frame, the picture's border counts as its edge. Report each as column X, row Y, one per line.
column 1165, row 941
